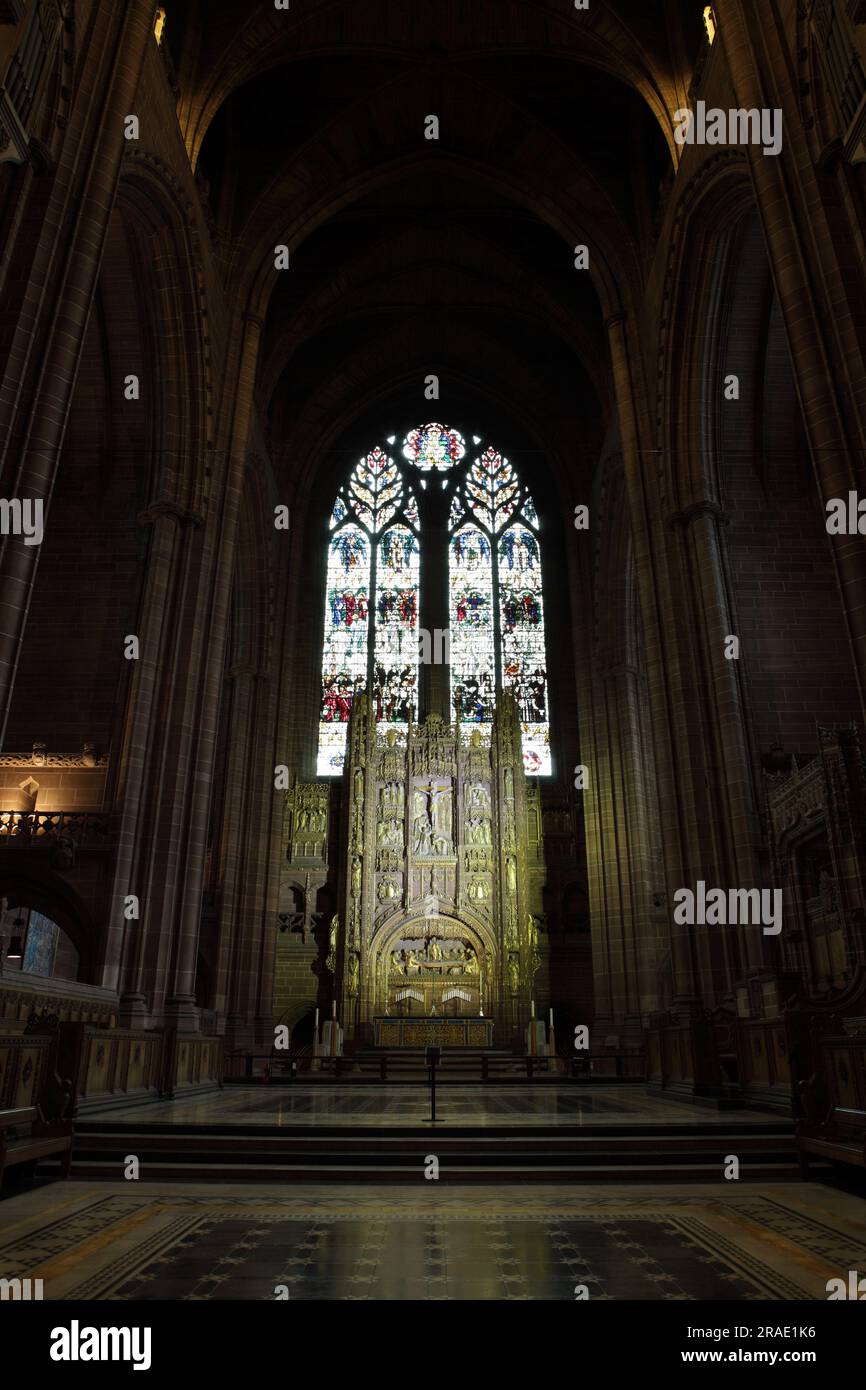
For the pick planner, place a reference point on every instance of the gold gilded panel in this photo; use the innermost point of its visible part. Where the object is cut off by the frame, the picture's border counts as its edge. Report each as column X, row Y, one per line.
column 388, row 1034
column 428, row 1033
column 433, row 1032
column 480, row 1033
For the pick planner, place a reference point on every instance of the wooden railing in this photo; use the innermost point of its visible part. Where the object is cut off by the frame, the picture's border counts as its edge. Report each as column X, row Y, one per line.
column 112, row 1066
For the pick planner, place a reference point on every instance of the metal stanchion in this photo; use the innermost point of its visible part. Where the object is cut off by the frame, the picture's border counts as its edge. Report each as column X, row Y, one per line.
column 433, row 1055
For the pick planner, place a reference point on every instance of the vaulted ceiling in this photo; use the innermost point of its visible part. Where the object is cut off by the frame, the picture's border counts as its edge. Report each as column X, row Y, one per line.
column 452, row 256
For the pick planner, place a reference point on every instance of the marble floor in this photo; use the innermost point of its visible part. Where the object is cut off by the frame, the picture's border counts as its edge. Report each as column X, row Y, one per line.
column 143, row 1241
column 349, row 1105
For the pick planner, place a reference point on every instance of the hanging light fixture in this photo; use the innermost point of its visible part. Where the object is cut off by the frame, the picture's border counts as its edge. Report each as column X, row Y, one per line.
column 15, row 948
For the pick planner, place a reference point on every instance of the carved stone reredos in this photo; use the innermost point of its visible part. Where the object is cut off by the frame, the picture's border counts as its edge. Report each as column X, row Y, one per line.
column 435, row 818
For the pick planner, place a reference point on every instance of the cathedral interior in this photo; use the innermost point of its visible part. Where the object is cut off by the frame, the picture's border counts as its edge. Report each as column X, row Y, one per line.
column 432, row 577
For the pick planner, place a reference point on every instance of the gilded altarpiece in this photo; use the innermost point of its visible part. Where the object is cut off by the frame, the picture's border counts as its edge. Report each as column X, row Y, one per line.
column 440, row 888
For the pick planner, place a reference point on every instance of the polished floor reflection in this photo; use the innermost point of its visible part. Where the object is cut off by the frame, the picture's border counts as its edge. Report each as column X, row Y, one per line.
column 134, row 1241
column 549, row 1105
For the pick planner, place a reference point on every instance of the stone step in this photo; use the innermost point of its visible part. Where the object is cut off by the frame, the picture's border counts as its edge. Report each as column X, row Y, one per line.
column 693, row 1152
column 346, row 1171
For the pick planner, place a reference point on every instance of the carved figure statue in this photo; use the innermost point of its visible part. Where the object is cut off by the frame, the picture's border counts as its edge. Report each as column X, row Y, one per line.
column 422, row 841
column 477, row 831
column 440, row 818
column 477, row 798
column 331, row 958
column 431, row 820
column 389, row 834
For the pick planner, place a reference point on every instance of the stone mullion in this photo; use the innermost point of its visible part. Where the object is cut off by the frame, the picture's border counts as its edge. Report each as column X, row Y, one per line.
column 825, row 350
column 662, row 659
column 42, row 436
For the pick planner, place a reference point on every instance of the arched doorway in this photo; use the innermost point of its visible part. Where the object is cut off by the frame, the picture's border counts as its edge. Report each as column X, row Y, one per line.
column 429, row 966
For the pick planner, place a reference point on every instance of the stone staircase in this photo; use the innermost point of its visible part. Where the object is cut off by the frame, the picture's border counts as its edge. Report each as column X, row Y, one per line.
column 467, row 1153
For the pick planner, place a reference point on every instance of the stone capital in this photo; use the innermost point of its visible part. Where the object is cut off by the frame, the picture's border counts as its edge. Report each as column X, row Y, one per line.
column 165, row 506
column 698, row 509
column 244, row 671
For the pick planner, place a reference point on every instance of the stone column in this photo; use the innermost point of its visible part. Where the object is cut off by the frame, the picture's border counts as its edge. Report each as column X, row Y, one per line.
column 40, row 425
column 719, row 721
column 203, row 692
column 812, row 287
column 231, row 992
column 635, row 955
column 139, row 754
column 662, row 658
column 249, row 869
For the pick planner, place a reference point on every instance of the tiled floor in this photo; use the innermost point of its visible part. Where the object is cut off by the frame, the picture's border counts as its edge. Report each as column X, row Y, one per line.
column 137, row 1240
column 168, row 1241
column 349, row 1105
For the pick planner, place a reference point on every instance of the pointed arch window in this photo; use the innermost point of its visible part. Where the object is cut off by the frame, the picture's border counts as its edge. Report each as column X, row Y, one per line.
column 383, row 528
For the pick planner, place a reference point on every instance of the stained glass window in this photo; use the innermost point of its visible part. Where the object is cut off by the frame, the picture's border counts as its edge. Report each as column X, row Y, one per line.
column 344, row 658
column 521, row 615
column 471, row 623
column 492, row 488
column 372, row 586
column 395, row 662
column 380, row 525
column 505, row 574
column 434, row 447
